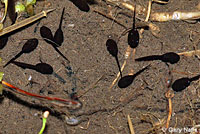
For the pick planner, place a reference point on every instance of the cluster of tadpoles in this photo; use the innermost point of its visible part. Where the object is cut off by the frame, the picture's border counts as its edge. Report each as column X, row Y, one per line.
column 57, row 39
column 43, row 68
column 169, row 57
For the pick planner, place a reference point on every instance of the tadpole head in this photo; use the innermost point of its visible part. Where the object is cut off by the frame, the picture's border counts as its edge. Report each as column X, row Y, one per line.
column 30, row 45
column 112, row 47
column 133, row 38
column 125, row 81
column 46, row 33
column 81, row 4
column 44, row 68
column 170, row 57
column 181, row 84
column 59, row 37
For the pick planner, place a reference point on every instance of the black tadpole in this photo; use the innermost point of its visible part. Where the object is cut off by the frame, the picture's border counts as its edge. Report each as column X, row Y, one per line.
column 57, row 39
column 183, row 83
column 133, row 34
column 3, row 41
column 47, row 35
column 113, row 50
column 128, row 79
column 42, row 68
column 28, row 47
column 81, row 4
column 58, row 36
column 169, row 57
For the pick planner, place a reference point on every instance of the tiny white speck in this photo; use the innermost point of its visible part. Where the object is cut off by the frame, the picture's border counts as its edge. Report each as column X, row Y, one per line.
column 70, row 25
column 30, row 78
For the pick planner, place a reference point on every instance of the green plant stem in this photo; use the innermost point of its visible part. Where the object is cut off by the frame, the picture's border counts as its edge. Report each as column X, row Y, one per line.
column 43, row 125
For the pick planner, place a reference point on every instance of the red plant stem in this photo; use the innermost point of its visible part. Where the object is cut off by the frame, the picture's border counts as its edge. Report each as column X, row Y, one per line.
column 39, row 96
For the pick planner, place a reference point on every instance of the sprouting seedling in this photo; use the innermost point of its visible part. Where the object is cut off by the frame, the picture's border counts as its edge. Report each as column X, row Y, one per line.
column 44, row 120
column 58, row 36
column 28, row 47
column 55, row 40
column 113, row 50
column 128, row 79
column 183, row 83
column 25, row 22
column 169, row 57
column 42, row 68
column 133, row 34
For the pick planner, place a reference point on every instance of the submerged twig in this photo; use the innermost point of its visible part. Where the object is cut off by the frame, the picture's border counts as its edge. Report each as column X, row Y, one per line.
column 130, row 124
column 25, row 22
column 190, row 53
column 72, row 104
column 80, row 94
column 177, row 15
column 162, row 16
column 169, row 95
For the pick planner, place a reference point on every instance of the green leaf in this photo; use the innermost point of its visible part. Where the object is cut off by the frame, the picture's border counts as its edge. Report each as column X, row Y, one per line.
column 30, row 2
column 19, row 7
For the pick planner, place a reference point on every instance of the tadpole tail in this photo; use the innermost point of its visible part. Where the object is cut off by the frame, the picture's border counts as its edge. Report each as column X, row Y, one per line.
column 149, row 58
column 195, row 78
column 61, row 54
column 14, row 58
column 134, row 14
column 118, row 66
column 24, row 65
column 142, row 70
column 61, row 19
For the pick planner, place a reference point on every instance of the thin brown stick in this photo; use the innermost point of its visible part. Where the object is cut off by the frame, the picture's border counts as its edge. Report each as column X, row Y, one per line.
column 130, row 125
column 169, row 95
column 190, row 53
column 147, row 17
column 25, row 22
column 90, row 87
